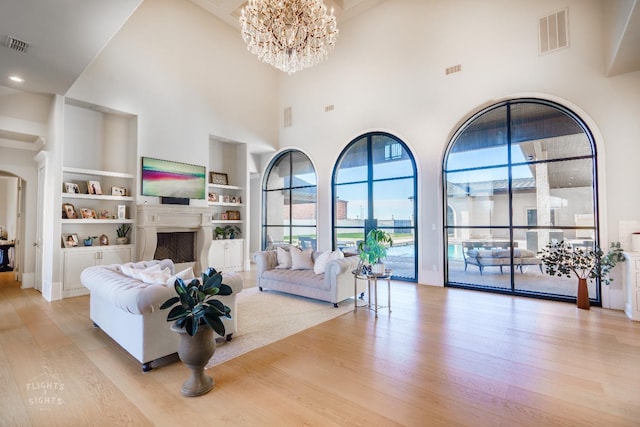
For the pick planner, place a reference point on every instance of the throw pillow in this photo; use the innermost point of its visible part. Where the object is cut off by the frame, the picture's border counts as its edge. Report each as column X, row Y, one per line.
column 186, row 275
column 155, row 277
column 135, row 273
column 284, row 258
column 301, row 260
column 321, row 261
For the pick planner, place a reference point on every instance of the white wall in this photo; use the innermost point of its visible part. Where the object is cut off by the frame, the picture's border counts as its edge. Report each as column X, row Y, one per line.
column 24, row 113
column 9, row 205
column 186, row 75
column 388, row 73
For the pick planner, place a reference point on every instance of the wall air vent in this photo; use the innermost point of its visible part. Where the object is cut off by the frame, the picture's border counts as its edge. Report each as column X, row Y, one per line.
column 17, row 45
column 287, row 117
column 553, row 32
column 453, row 69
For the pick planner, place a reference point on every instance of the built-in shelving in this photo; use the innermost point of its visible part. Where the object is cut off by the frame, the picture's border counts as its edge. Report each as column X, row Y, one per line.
column 99, row 147
column 229, row 203
column 94, row 172
column 97, row 221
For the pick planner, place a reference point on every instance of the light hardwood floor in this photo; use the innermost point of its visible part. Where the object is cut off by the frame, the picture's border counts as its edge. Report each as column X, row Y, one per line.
column 443, row 357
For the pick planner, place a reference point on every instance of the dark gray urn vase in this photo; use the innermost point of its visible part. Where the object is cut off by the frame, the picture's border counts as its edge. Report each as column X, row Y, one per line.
column 195, row 352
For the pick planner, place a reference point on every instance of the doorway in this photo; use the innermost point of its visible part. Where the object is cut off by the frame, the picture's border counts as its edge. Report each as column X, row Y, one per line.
column 10, row 196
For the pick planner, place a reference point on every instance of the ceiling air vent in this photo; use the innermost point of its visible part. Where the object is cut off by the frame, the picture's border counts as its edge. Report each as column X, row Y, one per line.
column 17, row 45
column 553, row 31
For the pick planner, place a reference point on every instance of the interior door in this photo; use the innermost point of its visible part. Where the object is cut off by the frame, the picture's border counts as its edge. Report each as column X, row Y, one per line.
column 42, row 173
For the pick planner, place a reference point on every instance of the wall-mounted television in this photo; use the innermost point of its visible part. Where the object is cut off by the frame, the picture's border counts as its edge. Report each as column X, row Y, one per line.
column 166, row 178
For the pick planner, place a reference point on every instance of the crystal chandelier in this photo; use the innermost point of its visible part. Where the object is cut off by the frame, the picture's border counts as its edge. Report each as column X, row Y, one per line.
column 288, row 34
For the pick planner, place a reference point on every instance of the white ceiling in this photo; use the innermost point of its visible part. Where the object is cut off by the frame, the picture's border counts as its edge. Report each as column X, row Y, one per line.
column 229, row 10
column 66, row 35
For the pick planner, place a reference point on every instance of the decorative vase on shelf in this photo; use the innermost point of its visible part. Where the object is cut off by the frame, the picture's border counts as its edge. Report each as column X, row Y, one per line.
column 88, row 242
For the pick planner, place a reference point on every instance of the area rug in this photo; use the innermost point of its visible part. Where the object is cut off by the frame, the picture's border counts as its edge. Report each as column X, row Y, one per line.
column 259, row 324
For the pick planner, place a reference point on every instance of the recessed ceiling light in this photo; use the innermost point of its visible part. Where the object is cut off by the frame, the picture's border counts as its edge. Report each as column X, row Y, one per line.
column 16, row 79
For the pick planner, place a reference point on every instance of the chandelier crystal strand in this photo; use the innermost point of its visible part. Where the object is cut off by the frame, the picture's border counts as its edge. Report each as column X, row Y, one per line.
column 288, row 34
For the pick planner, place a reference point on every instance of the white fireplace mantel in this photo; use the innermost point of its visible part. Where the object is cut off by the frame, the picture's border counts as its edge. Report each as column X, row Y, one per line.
column 154, row 219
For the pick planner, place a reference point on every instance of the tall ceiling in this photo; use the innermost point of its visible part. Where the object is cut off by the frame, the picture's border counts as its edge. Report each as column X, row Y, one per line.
column 229, row 10
column 65, row 36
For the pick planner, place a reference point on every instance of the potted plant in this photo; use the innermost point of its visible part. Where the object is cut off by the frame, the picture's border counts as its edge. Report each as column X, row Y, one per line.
column 89, row 240
column 219, row 232
column 122, row 231
column 196, row 315
column 374, row 249
column 564, row 259
column 232, row 231
column 227, row 232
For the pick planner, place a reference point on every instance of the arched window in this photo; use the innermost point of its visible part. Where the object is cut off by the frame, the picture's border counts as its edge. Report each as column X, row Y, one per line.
column 289, row 197
column 518, row 175
column 375, row 186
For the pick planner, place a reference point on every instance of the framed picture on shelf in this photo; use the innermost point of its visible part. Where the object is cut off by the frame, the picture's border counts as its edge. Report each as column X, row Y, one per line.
column 70, row 240
column 94, row 187
column 69, row 211
column 104, row 240
column 122, row 211
column 118, row 191
column 71, row 187
column 233, row 199
column 213, row 197
column 104, row 214
column 218, row 178
column 88, row 213
column 224, row 216
column 225, row 199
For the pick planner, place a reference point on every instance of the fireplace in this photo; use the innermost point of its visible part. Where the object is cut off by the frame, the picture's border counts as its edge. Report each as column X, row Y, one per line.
column 179, row 246
column 162, row 229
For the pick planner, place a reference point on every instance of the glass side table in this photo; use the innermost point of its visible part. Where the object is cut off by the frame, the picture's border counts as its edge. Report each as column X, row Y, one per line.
column 372, row 279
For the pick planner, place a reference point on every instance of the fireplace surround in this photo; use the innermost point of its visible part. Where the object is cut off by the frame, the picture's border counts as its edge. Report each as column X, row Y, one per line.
column 154, row 219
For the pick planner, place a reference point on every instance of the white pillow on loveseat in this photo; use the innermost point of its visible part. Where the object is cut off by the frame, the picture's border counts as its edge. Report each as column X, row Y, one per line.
column 284, row 259
column 321, row 261
column 301, row 260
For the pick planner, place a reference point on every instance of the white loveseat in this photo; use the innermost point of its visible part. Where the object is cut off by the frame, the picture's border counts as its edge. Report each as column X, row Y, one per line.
column 333, row 282
column 127, row 309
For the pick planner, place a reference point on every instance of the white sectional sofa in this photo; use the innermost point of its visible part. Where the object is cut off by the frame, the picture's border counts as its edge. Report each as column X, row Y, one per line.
column 127, row 309
column 332, row 281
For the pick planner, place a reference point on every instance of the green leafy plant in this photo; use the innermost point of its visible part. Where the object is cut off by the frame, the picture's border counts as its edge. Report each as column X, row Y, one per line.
column 195, row 304
column 374, row 247
column 123, row 230
column 228, row 230
column 564, row 259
